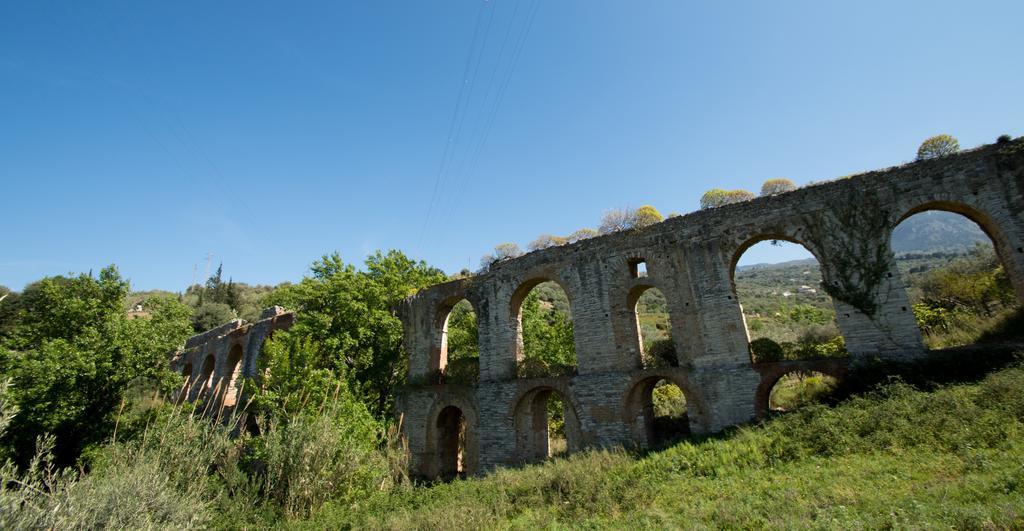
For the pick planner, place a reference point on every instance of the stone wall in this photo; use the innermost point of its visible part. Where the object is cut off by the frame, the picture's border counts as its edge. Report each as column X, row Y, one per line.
column 216, row 362
column 846, row 223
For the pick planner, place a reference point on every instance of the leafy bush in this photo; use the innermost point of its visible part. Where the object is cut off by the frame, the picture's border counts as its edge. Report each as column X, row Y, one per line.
column 931, row 319
column 777, row 186
column 668, row 400
column 310, row 459
column 798, row 389
column 210, row 315
column 833, row 348
column 72, row 354
column 462, row 371
column 539, row 368
column 661, row 353
column 717, row 197
column 765, row 350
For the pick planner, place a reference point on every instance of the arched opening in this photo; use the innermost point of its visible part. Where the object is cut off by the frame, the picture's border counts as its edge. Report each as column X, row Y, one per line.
column 957, row 283
column 658, row 412
column 232, row 375
column 546, row 425
column 206, row 377
column 787, row 313
column 545, row 345
column 459, row 351
column 653, row 328
column 451, row 443
column 797, row 389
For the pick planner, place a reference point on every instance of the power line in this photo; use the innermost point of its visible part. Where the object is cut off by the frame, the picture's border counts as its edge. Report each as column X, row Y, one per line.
column 492, row 115
column 459, row 106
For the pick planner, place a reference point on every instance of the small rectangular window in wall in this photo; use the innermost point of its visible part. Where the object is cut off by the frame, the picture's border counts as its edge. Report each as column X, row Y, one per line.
column 638, row 268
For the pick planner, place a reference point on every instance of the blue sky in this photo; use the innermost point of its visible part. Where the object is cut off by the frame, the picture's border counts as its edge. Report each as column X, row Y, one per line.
column 148, row 134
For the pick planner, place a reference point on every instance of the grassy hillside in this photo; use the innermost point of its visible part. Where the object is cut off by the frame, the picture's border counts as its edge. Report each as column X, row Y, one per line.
column 896, row 456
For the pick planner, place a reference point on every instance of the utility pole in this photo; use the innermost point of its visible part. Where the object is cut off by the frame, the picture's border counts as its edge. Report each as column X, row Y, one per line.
column 209, row 259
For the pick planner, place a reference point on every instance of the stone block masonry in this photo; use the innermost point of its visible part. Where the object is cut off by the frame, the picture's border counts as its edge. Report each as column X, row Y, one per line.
column 846, row 223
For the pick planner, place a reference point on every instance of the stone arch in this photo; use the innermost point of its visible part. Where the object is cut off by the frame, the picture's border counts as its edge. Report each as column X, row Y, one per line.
column 516, row 307
column 439, row 349
column 794, row 236
column 451, row 439
column 1007, row 251
column 772, row 373
column 632, row 300
column 531, row 421
column 232, row 374
column 638, row 408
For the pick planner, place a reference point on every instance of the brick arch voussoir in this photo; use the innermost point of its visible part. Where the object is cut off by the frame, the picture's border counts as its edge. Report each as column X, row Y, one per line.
column 792, row 233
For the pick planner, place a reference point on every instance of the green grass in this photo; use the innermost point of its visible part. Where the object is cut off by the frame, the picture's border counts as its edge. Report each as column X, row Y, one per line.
column 895, row 457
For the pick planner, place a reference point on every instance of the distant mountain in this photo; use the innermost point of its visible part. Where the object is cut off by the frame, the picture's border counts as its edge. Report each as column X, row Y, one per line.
column 790, row 263
column 936, row 231
column 925, row 232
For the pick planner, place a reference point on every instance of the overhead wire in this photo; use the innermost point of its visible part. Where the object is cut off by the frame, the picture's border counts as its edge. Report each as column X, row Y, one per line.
column 491, row 116
column 460, row 104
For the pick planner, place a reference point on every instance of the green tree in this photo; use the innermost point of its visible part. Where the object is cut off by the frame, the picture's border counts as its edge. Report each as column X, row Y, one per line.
column 210, row 315
column 777, row 186
column 73, row 353
column 9, row 304
column 937, row 146
column 462, row 332
column 645, row 216
column 547, row 333
column 347, row 324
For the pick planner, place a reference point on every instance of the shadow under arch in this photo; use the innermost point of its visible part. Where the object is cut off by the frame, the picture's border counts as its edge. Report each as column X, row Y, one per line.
column 530, row 415
column 638, row 407
column 451, row 439
column 1004, row 248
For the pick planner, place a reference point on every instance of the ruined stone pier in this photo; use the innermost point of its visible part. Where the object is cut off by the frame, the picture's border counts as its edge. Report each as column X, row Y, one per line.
column 847, row 225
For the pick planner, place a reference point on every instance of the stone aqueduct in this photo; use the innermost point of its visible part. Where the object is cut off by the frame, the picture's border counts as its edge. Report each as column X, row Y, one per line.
column 846, row 224
column 215, row 362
